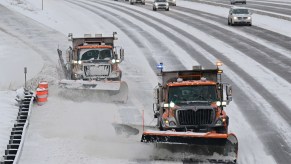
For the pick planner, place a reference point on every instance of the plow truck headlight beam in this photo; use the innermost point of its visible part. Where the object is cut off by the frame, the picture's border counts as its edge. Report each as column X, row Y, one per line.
column 79, row 62
column 172, row 104
column 218, row 103
column 113, row 61
column 74, row 61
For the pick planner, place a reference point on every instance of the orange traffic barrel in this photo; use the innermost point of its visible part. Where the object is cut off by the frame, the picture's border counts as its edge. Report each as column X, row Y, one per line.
column 41, row 101
column 41, row 92
column 43, row 84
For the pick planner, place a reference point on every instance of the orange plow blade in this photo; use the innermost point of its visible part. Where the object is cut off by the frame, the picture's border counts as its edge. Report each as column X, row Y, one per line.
column 205, row 144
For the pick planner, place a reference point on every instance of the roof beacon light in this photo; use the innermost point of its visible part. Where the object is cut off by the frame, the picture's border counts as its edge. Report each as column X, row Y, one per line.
column 218, row 63
column 160, row 66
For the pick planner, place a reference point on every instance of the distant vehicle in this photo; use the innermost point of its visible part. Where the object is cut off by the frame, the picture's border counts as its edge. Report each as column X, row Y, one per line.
column 239, row 15
column 238, row 1
column 137, row 1
column 172, row 2
column 161, row 4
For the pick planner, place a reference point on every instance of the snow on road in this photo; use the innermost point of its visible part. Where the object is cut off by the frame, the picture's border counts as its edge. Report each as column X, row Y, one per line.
column 82, row 132
column 273, row 24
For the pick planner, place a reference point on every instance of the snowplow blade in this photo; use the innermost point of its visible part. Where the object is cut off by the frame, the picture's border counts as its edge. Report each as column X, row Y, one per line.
column 206, row 144
column 94, row 90
column 94, row 85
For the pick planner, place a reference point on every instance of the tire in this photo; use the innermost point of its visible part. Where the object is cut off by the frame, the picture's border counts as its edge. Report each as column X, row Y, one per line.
column 154, row 9
column 231, row 22
column 228, row 22
column 167, row 9
column 131, row 3
column 250, row 24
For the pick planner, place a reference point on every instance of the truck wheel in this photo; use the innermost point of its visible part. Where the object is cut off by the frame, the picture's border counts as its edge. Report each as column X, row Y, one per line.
column 168, row 9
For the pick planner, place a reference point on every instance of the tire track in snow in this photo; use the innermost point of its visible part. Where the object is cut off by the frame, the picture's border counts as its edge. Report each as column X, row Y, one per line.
column 276, row 38
column 263, row 5
column 275, row 102
column 260, row 9
column 278, row 63
column 262, row 126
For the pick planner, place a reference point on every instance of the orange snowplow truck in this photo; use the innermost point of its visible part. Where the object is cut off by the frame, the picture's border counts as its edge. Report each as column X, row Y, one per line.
column 189, row 109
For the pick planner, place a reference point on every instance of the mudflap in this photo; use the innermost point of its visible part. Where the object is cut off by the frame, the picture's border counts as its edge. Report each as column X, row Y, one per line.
column 195, row 148
column 121, row 95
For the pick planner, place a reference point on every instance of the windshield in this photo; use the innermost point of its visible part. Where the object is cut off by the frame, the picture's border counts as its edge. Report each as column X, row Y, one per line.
column 188, row 94
column 241, row 11
column 161, row 1
column 95, row 54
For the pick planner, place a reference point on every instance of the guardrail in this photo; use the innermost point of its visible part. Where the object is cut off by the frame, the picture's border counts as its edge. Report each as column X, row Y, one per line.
column 14, row 147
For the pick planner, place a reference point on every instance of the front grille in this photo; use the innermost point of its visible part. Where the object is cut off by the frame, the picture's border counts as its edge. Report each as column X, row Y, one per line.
column 196, row 118
column 162, row 5
column 97, row 70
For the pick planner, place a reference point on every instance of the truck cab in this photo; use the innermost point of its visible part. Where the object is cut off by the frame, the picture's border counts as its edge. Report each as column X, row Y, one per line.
column 94, row 58
column 192, row 100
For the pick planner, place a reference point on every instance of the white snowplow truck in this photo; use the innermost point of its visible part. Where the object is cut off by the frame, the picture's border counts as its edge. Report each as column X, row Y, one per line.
column 92, row 64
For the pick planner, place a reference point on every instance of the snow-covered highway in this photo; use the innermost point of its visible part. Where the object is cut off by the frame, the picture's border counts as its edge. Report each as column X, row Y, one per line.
column 257, row 62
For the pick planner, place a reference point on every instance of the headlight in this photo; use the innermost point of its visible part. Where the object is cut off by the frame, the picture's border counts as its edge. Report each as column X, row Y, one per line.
column 234, row 17
column 172, row 104
column 74, row 61
column 79, row 62
column 77, row 76
column 219, row 122
column 249, row 18
column 172, row 123
column 113, row 61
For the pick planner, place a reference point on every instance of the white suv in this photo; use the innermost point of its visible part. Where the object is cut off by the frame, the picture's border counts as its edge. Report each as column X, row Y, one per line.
column 238, row 1
column 161, row 4
column 239, row 15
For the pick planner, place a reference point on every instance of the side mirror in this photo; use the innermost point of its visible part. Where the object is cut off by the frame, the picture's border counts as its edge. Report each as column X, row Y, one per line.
column 156, row 95
column 69, row 55
column 121, row 57
column 228, row 93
